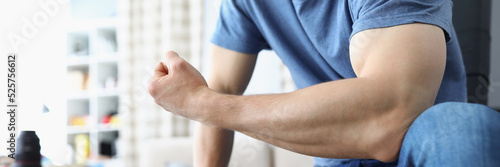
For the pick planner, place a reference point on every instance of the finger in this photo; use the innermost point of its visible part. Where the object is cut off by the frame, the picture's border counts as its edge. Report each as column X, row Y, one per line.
column 160, row 70
column 171, row 58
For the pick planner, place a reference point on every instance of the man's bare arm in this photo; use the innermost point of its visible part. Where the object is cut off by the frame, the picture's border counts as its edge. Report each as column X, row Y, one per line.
column 230, row 73
column 399, row 73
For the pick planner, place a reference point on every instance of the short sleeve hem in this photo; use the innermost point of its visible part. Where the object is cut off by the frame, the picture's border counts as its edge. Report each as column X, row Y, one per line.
column 384, row 22
column 235, row 44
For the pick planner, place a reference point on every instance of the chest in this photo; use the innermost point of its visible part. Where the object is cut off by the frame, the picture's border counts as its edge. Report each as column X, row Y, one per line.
column 316, row 31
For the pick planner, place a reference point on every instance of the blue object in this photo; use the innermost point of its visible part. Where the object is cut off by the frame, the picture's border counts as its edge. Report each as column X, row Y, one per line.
column 453, row 134
column 312, row 37
column 447, row 134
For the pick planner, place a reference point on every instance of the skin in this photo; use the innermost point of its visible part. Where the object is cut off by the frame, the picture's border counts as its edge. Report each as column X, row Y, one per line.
column 399, row 71
column 230, row 73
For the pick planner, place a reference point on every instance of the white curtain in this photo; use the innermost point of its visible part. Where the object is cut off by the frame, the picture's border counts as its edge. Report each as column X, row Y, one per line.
column 149, row 28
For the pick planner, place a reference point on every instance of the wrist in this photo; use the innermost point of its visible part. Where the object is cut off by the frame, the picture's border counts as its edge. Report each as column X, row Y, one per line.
column 216, row 109
column 201, row 105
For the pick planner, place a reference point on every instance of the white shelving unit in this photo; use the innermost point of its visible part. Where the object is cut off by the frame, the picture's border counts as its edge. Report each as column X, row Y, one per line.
column 92, row 71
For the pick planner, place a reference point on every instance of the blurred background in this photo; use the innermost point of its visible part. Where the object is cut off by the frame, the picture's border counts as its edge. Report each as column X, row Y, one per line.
column 84, row 66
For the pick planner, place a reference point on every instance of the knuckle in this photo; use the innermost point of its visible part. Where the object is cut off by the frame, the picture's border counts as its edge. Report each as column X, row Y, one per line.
column 152, row 89
column 170, row 53
column 182, row 64
column 179, row 64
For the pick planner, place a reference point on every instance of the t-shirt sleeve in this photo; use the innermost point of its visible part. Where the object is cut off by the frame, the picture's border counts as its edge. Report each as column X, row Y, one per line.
column 235, row 30
column 385, row 13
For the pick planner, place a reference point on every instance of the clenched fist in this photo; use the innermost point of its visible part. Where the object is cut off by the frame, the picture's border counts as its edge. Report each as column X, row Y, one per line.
column 176, row 84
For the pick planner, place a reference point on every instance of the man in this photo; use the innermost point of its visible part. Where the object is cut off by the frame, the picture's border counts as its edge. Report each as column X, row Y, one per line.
column 368, row 73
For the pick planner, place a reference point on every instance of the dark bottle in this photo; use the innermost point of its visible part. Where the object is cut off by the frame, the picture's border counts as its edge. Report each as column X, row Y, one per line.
column 28, row 150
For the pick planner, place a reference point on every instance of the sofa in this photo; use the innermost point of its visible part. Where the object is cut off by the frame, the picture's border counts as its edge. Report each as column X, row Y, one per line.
column 247, row 152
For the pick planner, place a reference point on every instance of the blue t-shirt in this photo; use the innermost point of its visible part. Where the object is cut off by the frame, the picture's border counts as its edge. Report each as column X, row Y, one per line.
column 312, row 36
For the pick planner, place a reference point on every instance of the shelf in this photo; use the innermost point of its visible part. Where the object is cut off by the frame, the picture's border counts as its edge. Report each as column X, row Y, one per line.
column 92, row 72
column 85, row 129
column 83, row 95
column 106, row 57
column 81, row 62
column 108, row 92
column 108, row 128
column 86, row 59
column 77, row 61
column 77, row 129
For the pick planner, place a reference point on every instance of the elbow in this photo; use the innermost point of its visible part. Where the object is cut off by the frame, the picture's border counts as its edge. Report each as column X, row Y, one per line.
column 393, row 129
column 388, row 154
column 387, row 149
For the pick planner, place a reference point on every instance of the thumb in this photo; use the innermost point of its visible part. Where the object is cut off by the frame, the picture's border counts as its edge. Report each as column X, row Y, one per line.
column 172, row 58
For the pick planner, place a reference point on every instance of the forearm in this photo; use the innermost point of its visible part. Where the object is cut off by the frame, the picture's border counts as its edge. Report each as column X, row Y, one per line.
column 213, row 146
column 230, row 73
column 341, row 119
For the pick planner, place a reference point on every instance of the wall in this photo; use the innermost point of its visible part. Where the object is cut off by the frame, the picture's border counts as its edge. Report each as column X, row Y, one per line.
column 494, row 97
column 41, row 70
